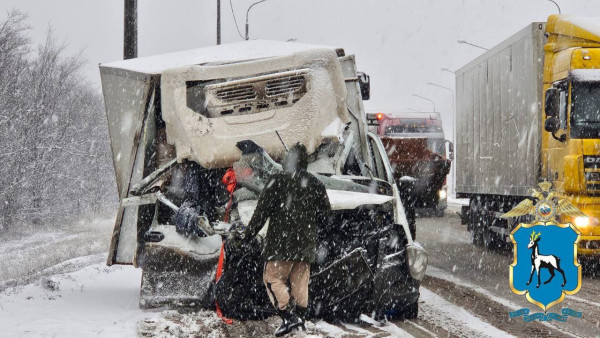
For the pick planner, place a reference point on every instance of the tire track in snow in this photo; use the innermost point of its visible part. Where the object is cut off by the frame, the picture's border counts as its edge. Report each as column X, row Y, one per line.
column 387, row 327
column 442, row 275
column 454, row 318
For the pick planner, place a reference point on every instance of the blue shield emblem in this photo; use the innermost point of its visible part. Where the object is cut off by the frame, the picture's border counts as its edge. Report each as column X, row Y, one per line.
column 545, row 266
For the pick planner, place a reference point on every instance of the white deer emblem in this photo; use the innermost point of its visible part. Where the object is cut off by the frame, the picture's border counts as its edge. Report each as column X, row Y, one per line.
column 538, row 261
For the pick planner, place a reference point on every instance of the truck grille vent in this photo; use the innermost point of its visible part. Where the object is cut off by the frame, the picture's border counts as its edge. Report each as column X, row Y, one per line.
column 284, row 85
column 593, row 187
column 251, row 95
column 237, row 93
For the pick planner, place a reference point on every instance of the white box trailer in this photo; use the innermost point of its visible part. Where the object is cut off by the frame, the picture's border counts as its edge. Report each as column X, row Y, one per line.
column 499, row 117
column 527, row 112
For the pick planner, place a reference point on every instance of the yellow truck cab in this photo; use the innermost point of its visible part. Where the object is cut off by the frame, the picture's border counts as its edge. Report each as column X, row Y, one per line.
column 571, row 147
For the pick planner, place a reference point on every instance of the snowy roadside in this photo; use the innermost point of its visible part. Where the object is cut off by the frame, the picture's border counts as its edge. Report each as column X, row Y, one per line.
column 27, row 258
column 95, row 301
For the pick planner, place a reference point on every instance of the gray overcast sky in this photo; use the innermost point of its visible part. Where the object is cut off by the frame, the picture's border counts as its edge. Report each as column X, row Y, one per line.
column 401, row 44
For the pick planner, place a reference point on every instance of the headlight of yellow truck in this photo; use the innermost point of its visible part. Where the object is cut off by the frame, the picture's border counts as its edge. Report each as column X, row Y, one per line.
column 582, row 221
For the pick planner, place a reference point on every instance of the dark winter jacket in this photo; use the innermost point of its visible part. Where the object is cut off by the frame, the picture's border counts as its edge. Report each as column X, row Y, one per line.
column 296, row 204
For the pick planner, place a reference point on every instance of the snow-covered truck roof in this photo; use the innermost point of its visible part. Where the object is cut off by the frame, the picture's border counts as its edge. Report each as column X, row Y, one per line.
column 224, row 94
column 574, row 26
column 239, row 51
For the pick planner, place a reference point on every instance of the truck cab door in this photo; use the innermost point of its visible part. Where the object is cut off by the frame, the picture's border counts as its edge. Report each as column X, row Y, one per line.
column 554, row 151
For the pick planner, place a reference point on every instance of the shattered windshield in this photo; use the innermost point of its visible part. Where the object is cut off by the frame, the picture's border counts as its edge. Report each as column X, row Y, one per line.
column 585, row 110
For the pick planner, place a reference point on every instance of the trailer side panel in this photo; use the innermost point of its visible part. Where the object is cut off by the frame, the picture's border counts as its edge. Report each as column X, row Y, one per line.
column 499, row 115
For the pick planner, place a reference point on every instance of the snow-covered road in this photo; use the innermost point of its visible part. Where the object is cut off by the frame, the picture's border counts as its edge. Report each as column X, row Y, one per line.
column 101, row 301
column 85, row 298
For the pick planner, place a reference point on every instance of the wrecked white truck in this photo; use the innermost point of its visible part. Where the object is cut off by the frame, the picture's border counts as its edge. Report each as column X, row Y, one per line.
column 180, row 124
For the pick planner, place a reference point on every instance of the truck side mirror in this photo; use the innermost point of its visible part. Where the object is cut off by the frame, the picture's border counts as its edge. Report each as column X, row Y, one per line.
column 552, row 124
column 364, row 81
column 552, row 102
column 450, row 150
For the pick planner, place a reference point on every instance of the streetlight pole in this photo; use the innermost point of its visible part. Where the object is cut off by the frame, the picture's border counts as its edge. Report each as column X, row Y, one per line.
column 448, row 70
column 453, row 175
column 424, row 98
column 218, row 22
column 248, row 12
column 448, row 89
column 557, row 6
column 471, row 44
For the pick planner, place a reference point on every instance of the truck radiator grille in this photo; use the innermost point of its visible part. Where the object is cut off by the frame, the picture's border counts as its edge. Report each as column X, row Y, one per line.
column 593, row 244
column 236, row 94
column 251, row 95
column 593, row 187
column 284, row 85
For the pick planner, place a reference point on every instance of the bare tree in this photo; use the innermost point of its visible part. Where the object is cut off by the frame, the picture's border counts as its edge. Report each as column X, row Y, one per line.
column 54, row 146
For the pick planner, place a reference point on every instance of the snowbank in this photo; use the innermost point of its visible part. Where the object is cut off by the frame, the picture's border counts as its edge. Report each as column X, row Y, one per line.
column 96, row 301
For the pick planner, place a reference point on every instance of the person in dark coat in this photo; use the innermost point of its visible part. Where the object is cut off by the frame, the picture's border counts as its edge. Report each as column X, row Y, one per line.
column 295, row 203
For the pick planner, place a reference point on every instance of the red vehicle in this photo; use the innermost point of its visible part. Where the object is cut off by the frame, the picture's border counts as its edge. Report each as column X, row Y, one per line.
column 416, row 147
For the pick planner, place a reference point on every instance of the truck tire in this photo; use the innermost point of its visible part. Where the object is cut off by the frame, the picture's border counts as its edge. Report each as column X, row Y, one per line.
column 476, row 222
column 464, row 216
column 490, row 239
column 411, row 311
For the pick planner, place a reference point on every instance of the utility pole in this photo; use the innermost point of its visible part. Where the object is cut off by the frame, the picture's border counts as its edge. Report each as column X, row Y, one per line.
column 218, row 22
column 130, row 30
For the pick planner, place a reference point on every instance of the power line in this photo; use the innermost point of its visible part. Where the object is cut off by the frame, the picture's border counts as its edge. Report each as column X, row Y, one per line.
column 234, row 20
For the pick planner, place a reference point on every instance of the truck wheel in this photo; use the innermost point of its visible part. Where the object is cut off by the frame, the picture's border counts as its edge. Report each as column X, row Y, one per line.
column 464, row 216
column 489, row 237
column 411, row 311
column 476, row 223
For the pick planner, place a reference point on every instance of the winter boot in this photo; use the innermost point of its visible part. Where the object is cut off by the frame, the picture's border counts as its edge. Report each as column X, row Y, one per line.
column 302, row 313
column 289, row 322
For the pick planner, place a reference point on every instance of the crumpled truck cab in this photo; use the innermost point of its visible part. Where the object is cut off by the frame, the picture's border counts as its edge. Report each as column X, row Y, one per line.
column 237, row 107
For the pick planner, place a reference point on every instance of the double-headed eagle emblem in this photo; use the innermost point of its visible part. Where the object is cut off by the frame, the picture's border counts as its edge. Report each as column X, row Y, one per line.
column 545, row 205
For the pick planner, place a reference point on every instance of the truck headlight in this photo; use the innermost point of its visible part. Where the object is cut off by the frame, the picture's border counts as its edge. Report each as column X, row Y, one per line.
column 417, row 260
column 443, row 194
column 582, row 221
